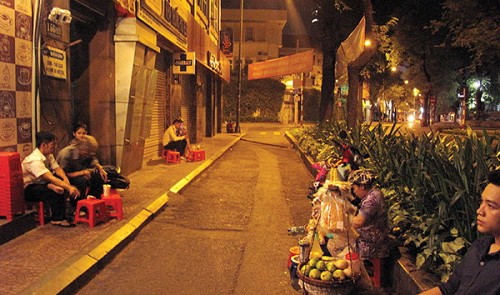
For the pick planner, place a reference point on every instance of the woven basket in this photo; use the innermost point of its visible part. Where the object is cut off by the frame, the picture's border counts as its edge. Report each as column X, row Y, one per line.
column 318, row 287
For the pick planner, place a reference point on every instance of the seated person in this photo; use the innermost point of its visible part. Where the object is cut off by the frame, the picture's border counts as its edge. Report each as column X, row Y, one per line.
column 82, row 167
column 80, row 130
column 45, row 181
column 371, row 222
column 172, row 141
column 182, row 131
column 477, row 273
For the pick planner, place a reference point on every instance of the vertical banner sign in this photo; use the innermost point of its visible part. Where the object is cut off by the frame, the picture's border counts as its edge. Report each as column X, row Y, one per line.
column 54, row 62
column 226, row 42
column 16, row 76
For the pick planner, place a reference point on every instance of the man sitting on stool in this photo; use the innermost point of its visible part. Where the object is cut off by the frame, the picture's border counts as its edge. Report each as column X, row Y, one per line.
column 171, row 141
column 45, row 181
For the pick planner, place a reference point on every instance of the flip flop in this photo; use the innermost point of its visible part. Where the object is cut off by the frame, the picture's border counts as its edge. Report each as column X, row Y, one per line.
column 62, row 223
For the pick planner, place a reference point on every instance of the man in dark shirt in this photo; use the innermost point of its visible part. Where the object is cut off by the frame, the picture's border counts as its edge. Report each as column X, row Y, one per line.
column 477, row 273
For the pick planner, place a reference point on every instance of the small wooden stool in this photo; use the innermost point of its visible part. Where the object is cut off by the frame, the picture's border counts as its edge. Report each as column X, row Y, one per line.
column 114, row 205
column 170, row 156
column 96, row 211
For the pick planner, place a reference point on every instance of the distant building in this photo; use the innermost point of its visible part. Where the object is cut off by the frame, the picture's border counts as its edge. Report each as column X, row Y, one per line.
column 262, row 33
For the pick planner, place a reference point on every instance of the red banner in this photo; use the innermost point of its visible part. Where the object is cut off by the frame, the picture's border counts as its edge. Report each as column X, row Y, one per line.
column 291, row 64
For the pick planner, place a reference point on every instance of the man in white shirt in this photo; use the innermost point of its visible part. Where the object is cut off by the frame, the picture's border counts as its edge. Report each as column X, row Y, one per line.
column 45, row 181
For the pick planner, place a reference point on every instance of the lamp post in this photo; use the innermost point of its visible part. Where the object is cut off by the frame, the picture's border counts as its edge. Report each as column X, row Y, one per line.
column 238, row 101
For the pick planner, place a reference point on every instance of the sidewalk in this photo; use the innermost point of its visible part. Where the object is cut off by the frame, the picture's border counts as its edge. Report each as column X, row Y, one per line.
column 52, row 260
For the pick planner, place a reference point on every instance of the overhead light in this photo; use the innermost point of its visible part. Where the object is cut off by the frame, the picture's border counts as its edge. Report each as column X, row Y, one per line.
column 59, row 15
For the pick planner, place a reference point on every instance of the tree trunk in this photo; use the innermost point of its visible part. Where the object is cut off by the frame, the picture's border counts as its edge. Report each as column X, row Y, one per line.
column 326, row 102
column 330, row 21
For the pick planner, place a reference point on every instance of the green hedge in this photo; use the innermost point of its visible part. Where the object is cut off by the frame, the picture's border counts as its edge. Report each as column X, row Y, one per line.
column 264, row 97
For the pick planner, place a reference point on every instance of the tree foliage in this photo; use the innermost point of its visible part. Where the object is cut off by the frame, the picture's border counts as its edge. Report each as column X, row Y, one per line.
column 260, row 100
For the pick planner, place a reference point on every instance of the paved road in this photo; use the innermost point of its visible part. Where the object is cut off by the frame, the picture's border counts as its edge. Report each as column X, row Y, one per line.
column 226, row 233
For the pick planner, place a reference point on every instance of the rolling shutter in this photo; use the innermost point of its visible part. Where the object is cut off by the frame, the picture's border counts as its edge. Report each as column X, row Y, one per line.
column 152, row 145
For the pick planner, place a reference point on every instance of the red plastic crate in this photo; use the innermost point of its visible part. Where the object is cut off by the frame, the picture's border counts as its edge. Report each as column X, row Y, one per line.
column 10, row 165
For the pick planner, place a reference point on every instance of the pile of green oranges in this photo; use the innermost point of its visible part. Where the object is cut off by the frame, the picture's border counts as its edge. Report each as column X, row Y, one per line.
column 327, row 268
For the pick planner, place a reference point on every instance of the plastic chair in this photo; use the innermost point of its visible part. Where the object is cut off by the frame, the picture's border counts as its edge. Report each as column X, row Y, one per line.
column 374, row 269
column 96, row 211
column 114, row 205
column 40, row 211
column 172, row 157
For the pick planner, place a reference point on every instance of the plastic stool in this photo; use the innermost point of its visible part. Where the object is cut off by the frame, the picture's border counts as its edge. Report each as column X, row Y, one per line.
column 40, row 210
column 114, row 205
column 96, row 211
column 170, row 156
column 197, row 155
column 375, row 265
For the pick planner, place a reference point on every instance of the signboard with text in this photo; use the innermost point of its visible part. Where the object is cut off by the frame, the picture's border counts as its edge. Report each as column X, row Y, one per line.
column 293, row 64
column 54, row 62
column 184, row 63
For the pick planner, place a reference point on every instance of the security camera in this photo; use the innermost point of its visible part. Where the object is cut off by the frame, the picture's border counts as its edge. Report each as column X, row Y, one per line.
column 60, row 15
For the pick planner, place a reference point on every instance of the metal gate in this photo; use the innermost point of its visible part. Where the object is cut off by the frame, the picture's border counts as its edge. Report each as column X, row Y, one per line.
column 152, row 145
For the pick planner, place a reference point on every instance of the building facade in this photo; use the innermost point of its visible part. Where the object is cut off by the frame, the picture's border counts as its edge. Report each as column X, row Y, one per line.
column 126, row 68
column 262, row 33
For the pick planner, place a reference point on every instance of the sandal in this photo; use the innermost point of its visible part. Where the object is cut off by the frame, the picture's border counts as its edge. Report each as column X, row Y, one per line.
column 62, row 223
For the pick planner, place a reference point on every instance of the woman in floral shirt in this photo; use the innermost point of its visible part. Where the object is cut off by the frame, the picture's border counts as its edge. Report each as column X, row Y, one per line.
column 371, row 222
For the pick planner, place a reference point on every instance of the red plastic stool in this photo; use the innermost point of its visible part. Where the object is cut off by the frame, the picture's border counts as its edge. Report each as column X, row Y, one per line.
column 171, row 156
column 40, row 211
column 374, row 269
column 197, row 155
column 96, row 211
column 114, row 205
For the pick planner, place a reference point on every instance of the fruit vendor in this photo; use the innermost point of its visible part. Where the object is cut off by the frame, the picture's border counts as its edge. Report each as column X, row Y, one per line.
column 371, row 222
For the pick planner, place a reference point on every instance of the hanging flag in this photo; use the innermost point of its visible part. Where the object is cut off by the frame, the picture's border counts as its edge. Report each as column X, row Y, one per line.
column 350, row 49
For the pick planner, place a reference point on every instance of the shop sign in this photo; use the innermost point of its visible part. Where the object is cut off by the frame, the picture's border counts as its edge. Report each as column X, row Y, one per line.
column 184, row 63
column 165, row 19
column 54, row 62
column 54, row 30
column 125, row 8
column 213, row 63
column 226, row 42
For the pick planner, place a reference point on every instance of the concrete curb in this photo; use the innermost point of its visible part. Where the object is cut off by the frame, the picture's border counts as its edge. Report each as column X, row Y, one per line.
column 89, row 264
column 308, row 161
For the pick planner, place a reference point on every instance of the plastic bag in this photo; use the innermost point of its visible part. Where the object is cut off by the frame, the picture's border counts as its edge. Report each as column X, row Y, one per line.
column 115, row 179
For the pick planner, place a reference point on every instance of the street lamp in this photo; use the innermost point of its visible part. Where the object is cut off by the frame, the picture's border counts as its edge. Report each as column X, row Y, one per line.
column 238, row 101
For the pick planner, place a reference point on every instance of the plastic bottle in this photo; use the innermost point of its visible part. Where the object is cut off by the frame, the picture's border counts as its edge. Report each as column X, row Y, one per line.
column 316, row 251
column 295, row 230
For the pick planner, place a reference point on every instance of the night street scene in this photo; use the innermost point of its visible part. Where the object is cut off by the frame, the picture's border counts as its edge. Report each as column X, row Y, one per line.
column 320, row 147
